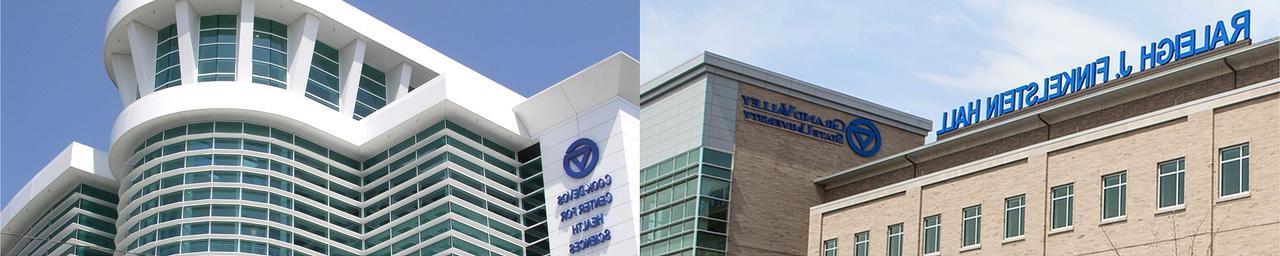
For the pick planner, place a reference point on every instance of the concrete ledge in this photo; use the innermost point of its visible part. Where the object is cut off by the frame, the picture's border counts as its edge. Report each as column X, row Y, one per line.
column 76, row 164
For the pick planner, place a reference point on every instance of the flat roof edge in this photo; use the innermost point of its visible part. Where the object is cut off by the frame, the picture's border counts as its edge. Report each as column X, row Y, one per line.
column 663, row 82
column 76, row 161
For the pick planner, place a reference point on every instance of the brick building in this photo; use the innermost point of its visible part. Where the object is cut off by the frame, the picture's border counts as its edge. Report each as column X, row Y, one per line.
column 1182, row 159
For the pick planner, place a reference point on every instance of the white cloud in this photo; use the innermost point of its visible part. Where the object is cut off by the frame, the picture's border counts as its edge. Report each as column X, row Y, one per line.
column 673, row 32
column 1031, row 39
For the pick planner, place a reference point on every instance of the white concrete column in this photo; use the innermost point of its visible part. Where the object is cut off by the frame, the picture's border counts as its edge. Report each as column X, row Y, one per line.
column 351, row 61
column 398, row 81
column 302, row 46
column 126, row 79
column 244, row 42
column 188, row 27
column 142, row 43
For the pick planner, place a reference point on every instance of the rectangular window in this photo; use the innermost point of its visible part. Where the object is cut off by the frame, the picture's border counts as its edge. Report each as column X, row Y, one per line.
column 216, row 52
column 1062, row 200
column 195, row 228
column 829, row 247
column 270, row 52
column 1235, row 170
column 1014, row 216
column 322, row 81
column 167, row 58
column 195, row 246
column 1113, row 190
column 894, row 242
column 1172, row 178
column 972, row 225
column 862, row 243
column 222, row 245
column 932, row 227
column 372, row 92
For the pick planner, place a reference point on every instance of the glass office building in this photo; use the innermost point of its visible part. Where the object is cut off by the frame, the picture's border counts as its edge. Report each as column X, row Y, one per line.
column 268, row 127
column 730, row 151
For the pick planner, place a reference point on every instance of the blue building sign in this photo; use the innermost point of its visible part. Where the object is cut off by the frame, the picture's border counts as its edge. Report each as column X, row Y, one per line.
column 581, row 158
column 1160, row 52
column 861, row 134
column 863, row 137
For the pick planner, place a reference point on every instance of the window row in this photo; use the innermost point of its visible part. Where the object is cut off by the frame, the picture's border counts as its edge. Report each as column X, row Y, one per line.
column 216, row 61
column 684, row 204
column 373, row 163
column 85, row 223
column 1233, row 183
column 654, row 175
column 286, row 219
column 242, row 128
column 287, row 202
column 286, row 169
column 862, row 243
column 69, row 202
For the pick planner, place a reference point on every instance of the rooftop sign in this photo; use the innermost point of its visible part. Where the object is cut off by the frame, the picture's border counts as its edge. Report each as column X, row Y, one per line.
column 1158, row 53
column 861, row 134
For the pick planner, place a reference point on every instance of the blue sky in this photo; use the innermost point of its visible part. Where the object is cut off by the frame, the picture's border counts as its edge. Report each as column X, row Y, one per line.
column 923, row 57
column 54, row 89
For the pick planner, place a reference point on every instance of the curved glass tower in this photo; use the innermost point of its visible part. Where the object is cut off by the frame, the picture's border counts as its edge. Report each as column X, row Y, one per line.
column 272, row 127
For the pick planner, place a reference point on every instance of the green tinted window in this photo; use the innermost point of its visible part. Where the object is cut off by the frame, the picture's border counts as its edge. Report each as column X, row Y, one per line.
column 270, row 53
column 216, row 52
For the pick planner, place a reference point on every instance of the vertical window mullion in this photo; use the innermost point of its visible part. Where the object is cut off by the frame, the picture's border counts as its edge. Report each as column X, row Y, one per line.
column 862, row 243
column 1113, row 195
column 1234, row 171
column 1015, row 212
column 167, row 69
column 1061, row 203
column 932, row 226
column 268, row 36
column 210, row 66
column 829, row 247
column 1171, row 179
column 894, row 242
column 972, row 231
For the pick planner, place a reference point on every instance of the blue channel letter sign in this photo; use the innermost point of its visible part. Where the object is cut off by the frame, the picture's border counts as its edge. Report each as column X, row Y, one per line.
column 581, row 158
column 863, row 137
column 861, row 134
column 1098, row 72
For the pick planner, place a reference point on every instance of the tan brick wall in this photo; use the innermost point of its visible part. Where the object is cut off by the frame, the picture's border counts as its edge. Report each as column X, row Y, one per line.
column 1249, row 226
column 988, row 188
column 773, row 176
column 874, row 217
column 1206, row 225
column 1137, row 153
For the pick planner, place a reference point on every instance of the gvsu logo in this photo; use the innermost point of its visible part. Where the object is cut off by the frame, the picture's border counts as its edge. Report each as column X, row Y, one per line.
column 581, row 157
column 863, row 137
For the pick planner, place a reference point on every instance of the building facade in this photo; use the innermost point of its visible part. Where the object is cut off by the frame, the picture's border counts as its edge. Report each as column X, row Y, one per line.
column 272, row 127
column 1181, row 159
column 730, row 152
